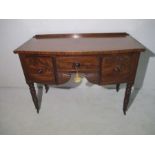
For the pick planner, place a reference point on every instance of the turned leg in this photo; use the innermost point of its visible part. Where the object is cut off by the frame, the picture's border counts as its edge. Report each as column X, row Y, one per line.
column 127, row 97
column 34, row 95
column 46, row 87
column 117, row 87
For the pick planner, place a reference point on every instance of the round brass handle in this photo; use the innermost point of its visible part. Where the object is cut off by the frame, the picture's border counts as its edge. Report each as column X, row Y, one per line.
column 117, row 69
column 39, row 71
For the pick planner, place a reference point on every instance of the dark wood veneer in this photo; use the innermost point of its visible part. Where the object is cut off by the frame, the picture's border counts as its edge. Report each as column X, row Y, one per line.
column 103, row 58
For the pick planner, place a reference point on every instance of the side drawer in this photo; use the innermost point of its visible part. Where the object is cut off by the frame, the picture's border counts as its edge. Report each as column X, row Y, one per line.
column 116, row 68
column 38, row 68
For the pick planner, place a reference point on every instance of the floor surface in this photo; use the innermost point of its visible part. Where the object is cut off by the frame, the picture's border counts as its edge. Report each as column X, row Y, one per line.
column 80, row 110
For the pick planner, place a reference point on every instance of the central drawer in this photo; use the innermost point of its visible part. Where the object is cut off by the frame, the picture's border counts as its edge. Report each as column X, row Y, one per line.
column 80, row 63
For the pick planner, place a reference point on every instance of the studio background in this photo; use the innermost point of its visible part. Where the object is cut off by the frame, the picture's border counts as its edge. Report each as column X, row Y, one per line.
column 86, row 109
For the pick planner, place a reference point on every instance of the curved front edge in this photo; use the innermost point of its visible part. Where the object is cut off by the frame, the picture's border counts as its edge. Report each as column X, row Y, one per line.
column 63, row 78
column 91, row 77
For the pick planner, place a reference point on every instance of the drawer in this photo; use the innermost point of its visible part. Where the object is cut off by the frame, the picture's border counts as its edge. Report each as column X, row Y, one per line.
column 39, row 69
column 84, row 64
column 116, row 68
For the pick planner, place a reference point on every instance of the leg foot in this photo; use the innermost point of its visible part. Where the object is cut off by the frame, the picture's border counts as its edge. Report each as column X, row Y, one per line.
column 124, row 112
column 117, row 87
column 46, row 87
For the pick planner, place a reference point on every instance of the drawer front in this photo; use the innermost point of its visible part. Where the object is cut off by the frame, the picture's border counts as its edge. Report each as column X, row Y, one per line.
column 116, row 68
column 39, row 69
column 84, row 64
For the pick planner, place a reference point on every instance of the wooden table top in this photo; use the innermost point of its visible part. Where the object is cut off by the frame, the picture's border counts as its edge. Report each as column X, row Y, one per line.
column 89, row 42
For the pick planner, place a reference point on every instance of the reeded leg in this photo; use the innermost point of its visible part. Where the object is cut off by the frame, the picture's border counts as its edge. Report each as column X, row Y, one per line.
column 46, row 87
column 127, row 97
column 117, row 87
column 34, row 95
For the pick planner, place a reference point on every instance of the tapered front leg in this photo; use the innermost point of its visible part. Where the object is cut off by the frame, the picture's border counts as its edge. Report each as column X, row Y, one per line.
column 127, row 97
column 34, row 95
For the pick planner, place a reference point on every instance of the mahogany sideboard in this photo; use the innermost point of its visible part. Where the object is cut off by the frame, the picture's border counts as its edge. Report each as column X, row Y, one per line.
column 103, row 58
